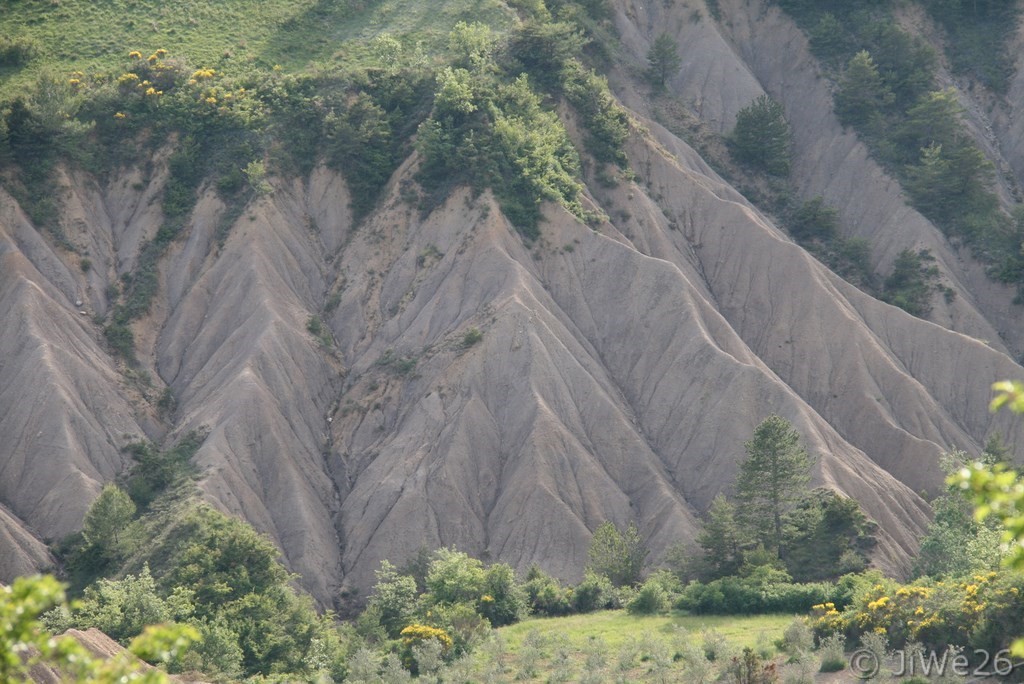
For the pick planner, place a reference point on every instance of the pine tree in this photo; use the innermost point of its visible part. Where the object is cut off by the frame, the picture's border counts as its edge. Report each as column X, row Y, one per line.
column 721, row 539
column 762, row 137
column 664, row 59
column 771, row 479
column 862, row 93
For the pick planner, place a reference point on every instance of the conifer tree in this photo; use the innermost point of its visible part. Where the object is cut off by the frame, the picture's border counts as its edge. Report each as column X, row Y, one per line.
column 771, row 479
column 762, row 137
column 664, row 59
column 721, row 539
column 862, row 93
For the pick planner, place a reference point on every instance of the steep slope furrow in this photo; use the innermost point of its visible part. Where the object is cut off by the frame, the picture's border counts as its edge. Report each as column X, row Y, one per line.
column 769, row 54
column 700, row 439
column 537, row 441
column 24, row 553
column 249, row 370
column 62, row 413
column 752, row 268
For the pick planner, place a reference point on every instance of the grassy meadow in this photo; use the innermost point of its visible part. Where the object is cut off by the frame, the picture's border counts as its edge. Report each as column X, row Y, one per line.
column 95, row 36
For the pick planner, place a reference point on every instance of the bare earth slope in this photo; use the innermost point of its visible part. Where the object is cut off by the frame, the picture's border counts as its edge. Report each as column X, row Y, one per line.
column 619, row 372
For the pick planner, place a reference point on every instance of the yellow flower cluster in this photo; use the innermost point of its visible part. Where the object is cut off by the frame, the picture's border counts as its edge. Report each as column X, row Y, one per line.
column 416, row 633
column 825, row 619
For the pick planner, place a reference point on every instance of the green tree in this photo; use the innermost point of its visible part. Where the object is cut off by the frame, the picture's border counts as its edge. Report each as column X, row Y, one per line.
column 934, row 120
column 771, row 479
column 825, row 536
column 618, row 555
column 814, row 220
column 663, row 59
column 862, row 94
column 910, row 285
column 238, row 582
column 123, row 608
column 503, row 601
column 955, row 544
column 544, row 48
column 393, row 599
column 721, row 540
column 762, row 137
column 107, row 517
column 454, row 577
column 472, row 46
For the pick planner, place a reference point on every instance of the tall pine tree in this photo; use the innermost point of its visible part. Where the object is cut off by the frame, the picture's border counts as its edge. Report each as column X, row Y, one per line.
column 771, row 479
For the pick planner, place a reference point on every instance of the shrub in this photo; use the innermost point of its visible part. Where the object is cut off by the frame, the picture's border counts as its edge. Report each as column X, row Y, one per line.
column 466, row 627
column 798, row 638
column 503, row 601
column 714, row 645
column 911, row 284
column 814, row 220
column 415, row 634
column 472, row 336
column 652, row 599
column 832, row 652
column 595, row 592
column 17, row 50
column 765, row 590
column 546, row 595
column 749, row 668
column 121, row 340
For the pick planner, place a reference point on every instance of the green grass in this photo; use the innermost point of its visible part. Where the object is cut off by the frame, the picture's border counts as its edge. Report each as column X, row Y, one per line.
column 617, row 646
column 616, row 626
column 95, row 36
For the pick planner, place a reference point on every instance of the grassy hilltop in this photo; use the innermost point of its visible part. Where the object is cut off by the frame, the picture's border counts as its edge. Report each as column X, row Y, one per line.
column 231, row 35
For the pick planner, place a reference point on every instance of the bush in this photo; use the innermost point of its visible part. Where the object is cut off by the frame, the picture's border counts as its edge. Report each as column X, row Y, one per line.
column 766, row 590
column 833, row 653
column 595, row 592
column 472, row 336
column 911, row 284
column 17, row 51
column 453, row 577
column 503, row 601
column 546, row 595
column 651, row 600
column 814, row 220
column 798, row 638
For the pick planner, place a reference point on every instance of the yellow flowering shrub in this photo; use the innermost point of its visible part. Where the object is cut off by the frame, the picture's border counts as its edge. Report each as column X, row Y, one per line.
column 416, row 633
column 975, row 612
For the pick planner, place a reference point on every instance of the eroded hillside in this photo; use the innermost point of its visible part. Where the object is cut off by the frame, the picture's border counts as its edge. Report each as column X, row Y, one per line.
column 462, row 386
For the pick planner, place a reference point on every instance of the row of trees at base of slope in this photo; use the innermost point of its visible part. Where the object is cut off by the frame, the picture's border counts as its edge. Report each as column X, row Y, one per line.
column 222, row 585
